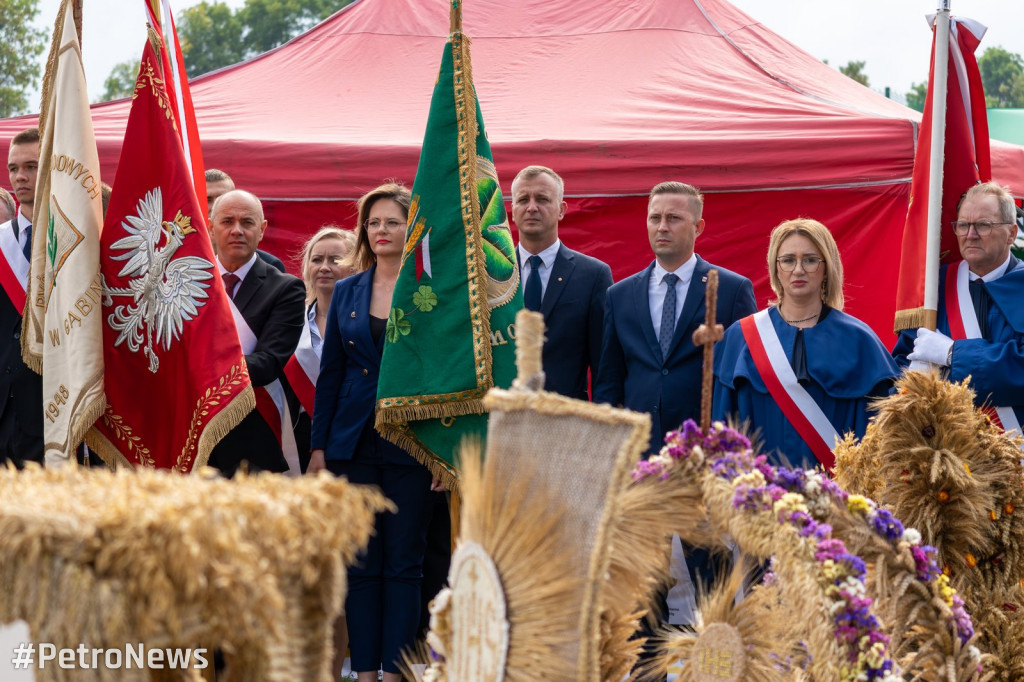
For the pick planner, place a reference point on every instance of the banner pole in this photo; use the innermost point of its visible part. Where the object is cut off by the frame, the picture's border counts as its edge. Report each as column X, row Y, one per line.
column 938, row 144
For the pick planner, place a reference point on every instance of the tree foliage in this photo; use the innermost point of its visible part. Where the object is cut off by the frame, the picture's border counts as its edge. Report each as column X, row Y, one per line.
column 121, row 81
column 855, row 70
column 20, row 47
column 1002, row 73
column 916, row 96
column 212, row 35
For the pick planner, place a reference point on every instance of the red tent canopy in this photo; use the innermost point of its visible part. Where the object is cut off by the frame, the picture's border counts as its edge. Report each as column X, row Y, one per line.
column 614, row 96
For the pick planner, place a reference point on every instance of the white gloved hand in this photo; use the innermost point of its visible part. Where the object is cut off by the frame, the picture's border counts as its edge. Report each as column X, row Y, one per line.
column 921, row 366
column 931, row 347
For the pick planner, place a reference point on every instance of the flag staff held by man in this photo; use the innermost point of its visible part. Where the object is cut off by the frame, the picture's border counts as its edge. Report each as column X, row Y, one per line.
column 968, row 314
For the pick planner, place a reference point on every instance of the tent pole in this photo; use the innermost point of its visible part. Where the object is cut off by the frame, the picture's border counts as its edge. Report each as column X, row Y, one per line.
column 937, row 156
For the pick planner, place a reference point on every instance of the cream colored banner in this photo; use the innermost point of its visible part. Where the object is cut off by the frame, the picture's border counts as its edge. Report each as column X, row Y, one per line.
column 63, row 333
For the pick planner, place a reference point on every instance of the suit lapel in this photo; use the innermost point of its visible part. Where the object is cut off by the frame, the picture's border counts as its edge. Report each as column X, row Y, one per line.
column 561, row 271
column 361, row 308
column 252, row 283
column 642, row 305
column 694, row 301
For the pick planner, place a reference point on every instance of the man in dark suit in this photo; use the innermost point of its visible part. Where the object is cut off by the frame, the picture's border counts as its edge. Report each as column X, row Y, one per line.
column 272, row 306
column 21, row 389
column 648, row 361
column 568, row 287
column 219, row 183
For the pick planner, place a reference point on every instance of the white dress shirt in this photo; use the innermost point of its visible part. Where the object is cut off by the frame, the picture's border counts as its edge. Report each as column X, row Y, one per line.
column 23, row 225
column 547, row 257
column 994, row 275
column 656, row 290
column 240, row 272
column 314, row 331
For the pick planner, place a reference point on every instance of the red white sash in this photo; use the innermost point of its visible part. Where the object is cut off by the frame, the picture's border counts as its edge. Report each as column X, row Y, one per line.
column 963, row 324
column 13, row 267
column 303, row 369
column 793, row 399
column 270, row 400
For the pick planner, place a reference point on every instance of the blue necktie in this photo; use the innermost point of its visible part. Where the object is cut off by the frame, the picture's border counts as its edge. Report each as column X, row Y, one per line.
column 27, row 250
column 668, row 314
column 979, row 297
column 532, row 295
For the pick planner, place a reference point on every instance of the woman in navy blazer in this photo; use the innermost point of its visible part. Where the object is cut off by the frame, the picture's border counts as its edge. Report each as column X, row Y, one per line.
column 383, row 603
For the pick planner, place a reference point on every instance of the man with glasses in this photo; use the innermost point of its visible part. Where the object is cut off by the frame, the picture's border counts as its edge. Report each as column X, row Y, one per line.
column 981, row 311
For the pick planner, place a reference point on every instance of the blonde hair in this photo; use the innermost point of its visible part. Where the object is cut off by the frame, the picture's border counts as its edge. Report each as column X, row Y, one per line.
column 328, row 232
column 832, row 285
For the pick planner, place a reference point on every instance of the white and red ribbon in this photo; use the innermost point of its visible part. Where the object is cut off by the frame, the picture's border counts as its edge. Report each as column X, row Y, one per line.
column 13, row 268
column 303, row 369
column 797, row 405
column 270, row 399
column 963, row 324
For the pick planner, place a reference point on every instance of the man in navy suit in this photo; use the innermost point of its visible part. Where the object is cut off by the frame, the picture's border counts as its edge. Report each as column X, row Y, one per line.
column 648, row 360
column 568, row 287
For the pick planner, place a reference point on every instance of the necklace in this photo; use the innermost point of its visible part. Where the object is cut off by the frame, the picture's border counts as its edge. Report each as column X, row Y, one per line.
column 806, row 319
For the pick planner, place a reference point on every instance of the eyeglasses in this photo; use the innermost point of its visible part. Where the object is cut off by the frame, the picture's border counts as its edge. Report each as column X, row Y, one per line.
column 809, row 263
column 376, row 224
column 982, row 227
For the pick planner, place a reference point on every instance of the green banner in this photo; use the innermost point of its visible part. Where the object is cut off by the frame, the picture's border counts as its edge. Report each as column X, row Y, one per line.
column 451, row 334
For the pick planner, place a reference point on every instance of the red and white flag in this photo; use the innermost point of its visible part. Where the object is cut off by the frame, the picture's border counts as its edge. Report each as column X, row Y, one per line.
column 173, row 68
column 967, row 161
column 175, row 375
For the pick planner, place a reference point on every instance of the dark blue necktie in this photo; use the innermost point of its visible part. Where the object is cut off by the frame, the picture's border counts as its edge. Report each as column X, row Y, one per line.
column 532, row 295
column 668, row 314
column 27, row 250
column 979, row 297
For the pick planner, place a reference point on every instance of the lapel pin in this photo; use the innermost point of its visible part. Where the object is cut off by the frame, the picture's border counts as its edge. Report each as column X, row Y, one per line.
column 559, row 279
column 704, row 279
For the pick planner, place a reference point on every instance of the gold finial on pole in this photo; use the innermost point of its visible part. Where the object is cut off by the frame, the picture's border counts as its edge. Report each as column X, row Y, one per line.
column 529, row 346
column 456, row 17
column 707, row 335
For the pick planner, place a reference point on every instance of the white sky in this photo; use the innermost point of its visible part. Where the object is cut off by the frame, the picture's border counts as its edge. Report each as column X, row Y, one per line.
column 890, row 35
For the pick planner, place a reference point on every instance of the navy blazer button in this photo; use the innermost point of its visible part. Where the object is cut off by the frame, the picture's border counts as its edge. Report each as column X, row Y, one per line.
column 351, row 343
column 17, row 335
column 366, row 372
column 664, row 372
column 353, row 314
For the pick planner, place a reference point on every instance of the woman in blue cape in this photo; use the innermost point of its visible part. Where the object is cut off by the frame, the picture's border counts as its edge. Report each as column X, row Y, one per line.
column 801, row 372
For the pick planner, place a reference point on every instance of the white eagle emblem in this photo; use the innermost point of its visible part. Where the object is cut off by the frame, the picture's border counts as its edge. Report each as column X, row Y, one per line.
column 165, row 292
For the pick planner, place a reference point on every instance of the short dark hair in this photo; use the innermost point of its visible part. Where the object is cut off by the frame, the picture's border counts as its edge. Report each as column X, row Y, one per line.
column 216, row 175
column 673, row 187
column 364, row 257
column 27, row 136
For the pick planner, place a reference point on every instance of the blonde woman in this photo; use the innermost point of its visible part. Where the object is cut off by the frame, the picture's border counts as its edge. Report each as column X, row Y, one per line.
column 802, row 371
